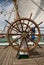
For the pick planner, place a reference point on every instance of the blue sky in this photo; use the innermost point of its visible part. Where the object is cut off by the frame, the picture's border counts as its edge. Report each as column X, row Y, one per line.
column 5, row 0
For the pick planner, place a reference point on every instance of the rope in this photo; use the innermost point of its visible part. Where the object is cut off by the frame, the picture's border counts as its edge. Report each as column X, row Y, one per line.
column 38, row 5
column 8, row 18
column 5, row 1
column 16, row 6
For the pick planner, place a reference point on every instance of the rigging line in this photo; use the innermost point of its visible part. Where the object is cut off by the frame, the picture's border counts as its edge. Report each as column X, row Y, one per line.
column 8, row 19
column 10, row 13
column 4, row 28
column 5, row 1
column 38, row 5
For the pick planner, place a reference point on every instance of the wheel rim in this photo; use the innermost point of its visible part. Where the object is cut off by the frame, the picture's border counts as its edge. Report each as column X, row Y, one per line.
column 22, row 32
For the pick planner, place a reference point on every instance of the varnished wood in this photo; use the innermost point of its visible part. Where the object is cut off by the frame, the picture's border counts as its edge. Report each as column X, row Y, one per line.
column 38, row 39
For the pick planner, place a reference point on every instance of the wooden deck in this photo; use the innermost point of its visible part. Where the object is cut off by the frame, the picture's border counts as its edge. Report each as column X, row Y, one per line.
column 8, row 57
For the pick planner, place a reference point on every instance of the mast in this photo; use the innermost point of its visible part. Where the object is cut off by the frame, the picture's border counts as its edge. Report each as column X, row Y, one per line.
column 16, row 7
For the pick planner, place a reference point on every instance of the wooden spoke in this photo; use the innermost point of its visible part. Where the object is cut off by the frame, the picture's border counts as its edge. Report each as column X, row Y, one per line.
column 13, row 29
column 17, row 26
column 13, row 26
column 15, row 40
column 30, row 15
column 20, row 44
column 32, row 40
column 9, row 24
column 7, row 46
column 25, row 34
column 14, row 34
column 21, row 25
column 27, row 26
column 27, row 43
column 28, row 21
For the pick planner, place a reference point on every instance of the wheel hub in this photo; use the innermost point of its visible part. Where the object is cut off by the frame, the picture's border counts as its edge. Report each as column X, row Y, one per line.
column 24, row 34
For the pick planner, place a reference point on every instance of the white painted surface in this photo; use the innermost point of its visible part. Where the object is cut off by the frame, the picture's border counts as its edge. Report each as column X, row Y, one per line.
column 26, row 7
column 29, row 43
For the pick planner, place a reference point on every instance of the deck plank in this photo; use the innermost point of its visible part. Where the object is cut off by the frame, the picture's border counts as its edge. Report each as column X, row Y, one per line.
column 6, row 60
column 39, row 61
column 24, row 62
column 3, row 55
column 8, row 57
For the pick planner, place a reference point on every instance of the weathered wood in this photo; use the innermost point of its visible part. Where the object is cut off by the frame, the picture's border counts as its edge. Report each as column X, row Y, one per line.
column 39, row 61
column 8, row 57
column 1, row 51
column 6, row 60
column 3, row 55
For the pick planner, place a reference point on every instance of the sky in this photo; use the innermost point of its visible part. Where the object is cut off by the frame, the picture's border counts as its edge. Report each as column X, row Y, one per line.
column 5, row 0
column 25, row 9
column 4, row 8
